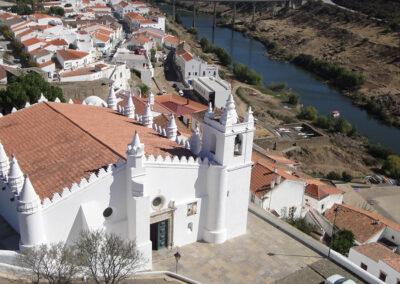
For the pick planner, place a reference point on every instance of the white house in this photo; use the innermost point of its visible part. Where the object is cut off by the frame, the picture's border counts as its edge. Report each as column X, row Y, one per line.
column 73, row 59
column 192, row 67
column 92, row 168
column 378, row 260
column 212, row 89
column 321, row 196
column 276, row 191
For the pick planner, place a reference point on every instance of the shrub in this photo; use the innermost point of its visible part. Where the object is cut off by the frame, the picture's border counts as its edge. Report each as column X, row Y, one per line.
column 378, row 151
column 342, row 126
column 58, row 11
column 224, row 58
column 292, row 99
column 346, row 177
column 333, row 176
column 153, row 55
column 244, row 74
column 308, row 113
column 192, row 31
column 339, row 76
column 301, row 224
column 392, row 166
column 324, row 122
column 277, row 87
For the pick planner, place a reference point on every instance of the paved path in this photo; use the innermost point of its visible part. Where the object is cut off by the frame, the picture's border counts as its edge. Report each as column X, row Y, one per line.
column 243, row 259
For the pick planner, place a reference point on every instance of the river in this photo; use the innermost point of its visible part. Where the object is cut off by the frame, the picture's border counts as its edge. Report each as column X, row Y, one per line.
column 310, row 90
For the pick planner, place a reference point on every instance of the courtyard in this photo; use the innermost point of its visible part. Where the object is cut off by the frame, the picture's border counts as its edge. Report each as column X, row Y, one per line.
column 264, row 255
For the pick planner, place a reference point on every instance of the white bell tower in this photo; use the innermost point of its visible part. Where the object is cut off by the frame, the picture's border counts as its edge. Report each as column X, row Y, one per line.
column 228, row 143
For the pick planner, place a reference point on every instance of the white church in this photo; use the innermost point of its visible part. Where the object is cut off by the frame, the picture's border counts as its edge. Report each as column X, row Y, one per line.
column 70, row 167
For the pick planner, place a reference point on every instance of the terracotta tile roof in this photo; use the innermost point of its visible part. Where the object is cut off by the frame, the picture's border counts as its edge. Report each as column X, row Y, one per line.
column 31, row 41
column 58, row 42
column 3, row 73
column 123, row 4
column 57, row 144
column 71, row 54
column 134, row 16
column 321, row 191
column 186, row 55
column 393, row 262
column 261, row 178
column 39, row 52
column 376, row 251
column 24, row 33
column 38, row 16
column 364, row 224
column 179, row 105
column 171, row 39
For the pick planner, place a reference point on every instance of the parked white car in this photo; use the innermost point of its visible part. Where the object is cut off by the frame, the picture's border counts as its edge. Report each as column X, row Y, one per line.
column 338, row 279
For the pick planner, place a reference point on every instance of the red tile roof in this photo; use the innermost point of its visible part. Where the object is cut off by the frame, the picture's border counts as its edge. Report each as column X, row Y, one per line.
column 179, row 105
column 58, row 42
column 364, row 224
column 71, row 54
column 321, row 191
column 376, row 251
column 31, row 41
column 134, row 16
column 57, row 144
column 393, row 262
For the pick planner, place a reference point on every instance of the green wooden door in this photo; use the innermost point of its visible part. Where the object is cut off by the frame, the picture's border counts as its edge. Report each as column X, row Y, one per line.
column 162, row 234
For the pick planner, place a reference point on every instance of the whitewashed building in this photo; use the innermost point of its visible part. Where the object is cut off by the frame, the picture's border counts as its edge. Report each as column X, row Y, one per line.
column 276, row 191
column 378, row 260
column 73, row 59
column 91, row 168
column 193, row 67
column 322, row 197
column 213, row 89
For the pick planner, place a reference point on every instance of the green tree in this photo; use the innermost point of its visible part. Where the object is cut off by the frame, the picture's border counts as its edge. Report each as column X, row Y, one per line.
column 346, row 177
column 205, row 44
column 143, row 89
column 342, row 241
column 392, row 166
column 244, row 74
column 323, row 122
column 153, row 55
column 27, row 88
column 57, row 11
column 308, row 113
column 292, row 99
column 378, row 151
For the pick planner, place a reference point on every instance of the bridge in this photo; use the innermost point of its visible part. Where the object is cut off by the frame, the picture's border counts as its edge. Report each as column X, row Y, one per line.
column 288, row 3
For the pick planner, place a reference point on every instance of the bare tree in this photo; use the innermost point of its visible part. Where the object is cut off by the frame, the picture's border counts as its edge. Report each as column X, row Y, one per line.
column 56, row 263
column 107, row 258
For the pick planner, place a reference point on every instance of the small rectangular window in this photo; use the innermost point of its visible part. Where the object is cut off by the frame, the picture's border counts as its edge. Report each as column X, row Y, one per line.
column 382, row 276
column 364, row 266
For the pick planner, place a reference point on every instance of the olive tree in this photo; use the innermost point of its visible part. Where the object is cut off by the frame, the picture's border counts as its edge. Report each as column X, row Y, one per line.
column 107, row 258
column 56, row 263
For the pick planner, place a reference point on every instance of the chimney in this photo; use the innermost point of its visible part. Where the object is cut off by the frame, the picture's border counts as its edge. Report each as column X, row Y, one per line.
column 272, row 184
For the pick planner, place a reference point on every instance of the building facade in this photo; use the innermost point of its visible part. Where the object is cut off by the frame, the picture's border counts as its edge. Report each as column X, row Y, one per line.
column 161, row 190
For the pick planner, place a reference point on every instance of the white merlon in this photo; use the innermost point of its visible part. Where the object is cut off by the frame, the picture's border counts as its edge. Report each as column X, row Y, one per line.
column 172, row 129
column 129, row 107
column 147, row 118
column 135, row 148
column 112, row 99
column 42, row 98
column 70, row 101
column 151, row 99
column 164, row 132
column 249, row 118
column 229, row 116
column 4, row 162
column 57, row 100
column 15, row 177
column 195, row 141
column 27, row 104
column 14, row 110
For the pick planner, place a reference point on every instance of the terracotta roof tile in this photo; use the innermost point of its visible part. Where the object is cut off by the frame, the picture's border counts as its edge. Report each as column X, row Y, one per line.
column 393, row 262
column 71, row 54
column 31, row 41
column 321, row 191
column 261, row 178
column 57, row 144
column 364, row 224
column 376, row 251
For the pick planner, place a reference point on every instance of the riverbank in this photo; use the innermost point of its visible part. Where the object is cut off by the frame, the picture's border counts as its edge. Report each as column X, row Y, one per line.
column 341, row 153
column 338, row 37
column 354, row 42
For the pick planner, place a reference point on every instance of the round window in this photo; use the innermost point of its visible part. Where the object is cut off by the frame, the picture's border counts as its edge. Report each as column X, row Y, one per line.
column 157, row 202
column 107, row 212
